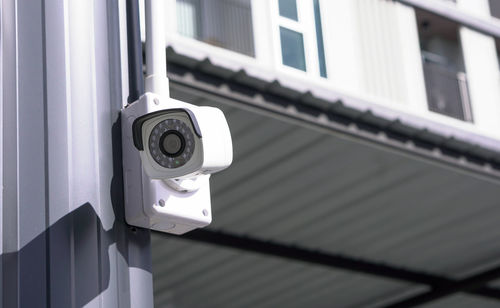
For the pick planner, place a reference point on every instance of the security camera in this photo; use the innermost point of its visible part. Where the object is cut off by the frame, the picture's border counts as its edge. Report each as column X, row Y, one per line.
column 170, row 148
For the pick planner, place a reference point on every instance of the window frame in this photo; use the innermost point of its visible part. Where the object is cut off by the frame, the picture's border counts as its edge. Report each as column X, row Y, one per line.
column 306, row 26
column 174, row 34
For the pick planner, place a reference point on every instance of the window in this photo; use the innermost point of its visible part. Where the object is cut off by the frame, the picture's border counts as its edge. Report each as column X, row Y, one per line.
column 443, row 65
column 222, row 23
column 292, row 48
column 301, row 36
column 188, row 20
column 288, row 9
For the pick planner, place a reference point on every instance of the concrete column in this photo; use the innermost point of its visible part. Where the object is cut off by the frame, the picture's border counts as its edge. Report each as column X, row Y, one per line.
column 483, row 73
column 64, row 242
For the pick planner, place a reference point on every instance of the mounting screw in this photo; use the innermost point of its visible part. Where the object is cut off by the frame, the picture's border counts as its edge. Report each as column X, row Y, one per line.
column 161, row 202
column 156, row 101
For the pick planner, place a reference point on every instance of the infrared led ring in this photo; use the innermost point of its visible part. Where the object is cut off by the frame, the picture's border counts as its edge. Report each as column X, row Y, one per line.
column 171, row 143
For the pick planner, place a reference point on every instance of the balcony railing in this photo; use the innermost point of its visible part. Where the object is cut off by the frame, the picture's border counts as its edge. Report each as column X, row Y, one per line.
column 223, row 23
column 447, row 91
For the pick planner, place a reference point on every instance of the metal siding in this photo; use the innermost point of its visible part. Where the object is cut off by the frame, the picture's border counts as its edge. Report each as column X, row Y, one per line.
column 1, row 150
column 64, row 240
column 31, row 168
column 84, row 176
column 9, row 148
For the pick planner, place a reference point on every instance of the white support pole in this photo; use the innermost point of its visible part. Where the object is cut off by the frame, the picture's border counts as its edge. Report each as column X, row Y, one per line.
column 156, row 60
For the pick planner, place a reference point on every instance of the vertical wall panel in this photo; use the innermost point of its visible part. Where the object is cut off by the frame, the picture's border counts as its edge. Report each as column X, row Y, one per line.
column 57, row 74
column 1, row 150
column 31, row 154
column 388, row 52
column 64, row 239
column 9, row 155
column 83, row 150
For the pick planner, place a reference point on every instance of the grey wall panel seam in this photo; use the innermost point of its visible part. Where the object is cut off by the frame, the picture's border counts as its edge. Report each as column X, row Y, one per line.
column 46, row 153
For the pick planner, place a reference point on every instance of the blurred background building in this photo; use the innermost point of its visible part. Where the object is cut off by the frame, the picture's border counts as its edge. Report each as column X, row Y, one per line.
column 367, row 154
column 366, row 165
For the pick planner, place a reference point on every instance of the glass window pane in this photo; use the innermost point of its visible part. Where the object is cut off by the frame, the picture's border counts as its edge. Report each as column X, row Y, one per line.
column 288, row 9
column 222, row 23
column 292, row 49
column 447, row 91
column 188, row 18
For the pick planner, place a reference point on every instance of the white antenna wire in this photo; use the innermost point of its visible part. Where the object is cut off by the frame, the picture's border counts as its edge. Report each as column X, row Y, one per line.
column 156, row 60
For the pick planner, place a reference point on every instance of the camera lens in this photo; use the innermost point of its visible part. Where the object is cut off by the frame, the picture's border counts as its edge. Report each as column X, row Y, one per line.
column 172, row 143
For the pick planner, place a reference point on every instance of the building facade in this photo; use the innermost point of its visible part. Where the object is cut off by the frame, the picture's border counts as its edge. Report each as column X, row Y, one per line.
column 366, row 165
column 383, row 52
column 350, row 121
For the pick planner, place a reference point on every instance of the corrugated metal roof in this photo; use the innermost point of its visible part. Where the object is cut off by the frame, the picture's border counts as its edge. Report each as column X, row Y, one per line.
column 200, row 275
column 301, row 187
column 460, row 301
column 309, row 188
column 297, row 186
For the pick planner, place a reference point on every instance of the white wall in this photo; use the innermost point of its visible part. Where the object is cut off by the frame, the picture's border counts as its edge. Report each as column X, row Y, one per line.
column 481, row 65
column 341, row 44
column 389, row 53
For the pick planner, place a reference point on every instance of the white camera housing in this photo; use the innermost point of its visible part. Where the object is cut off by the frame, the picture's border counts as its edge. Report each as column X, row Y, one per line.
column 170, row 148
